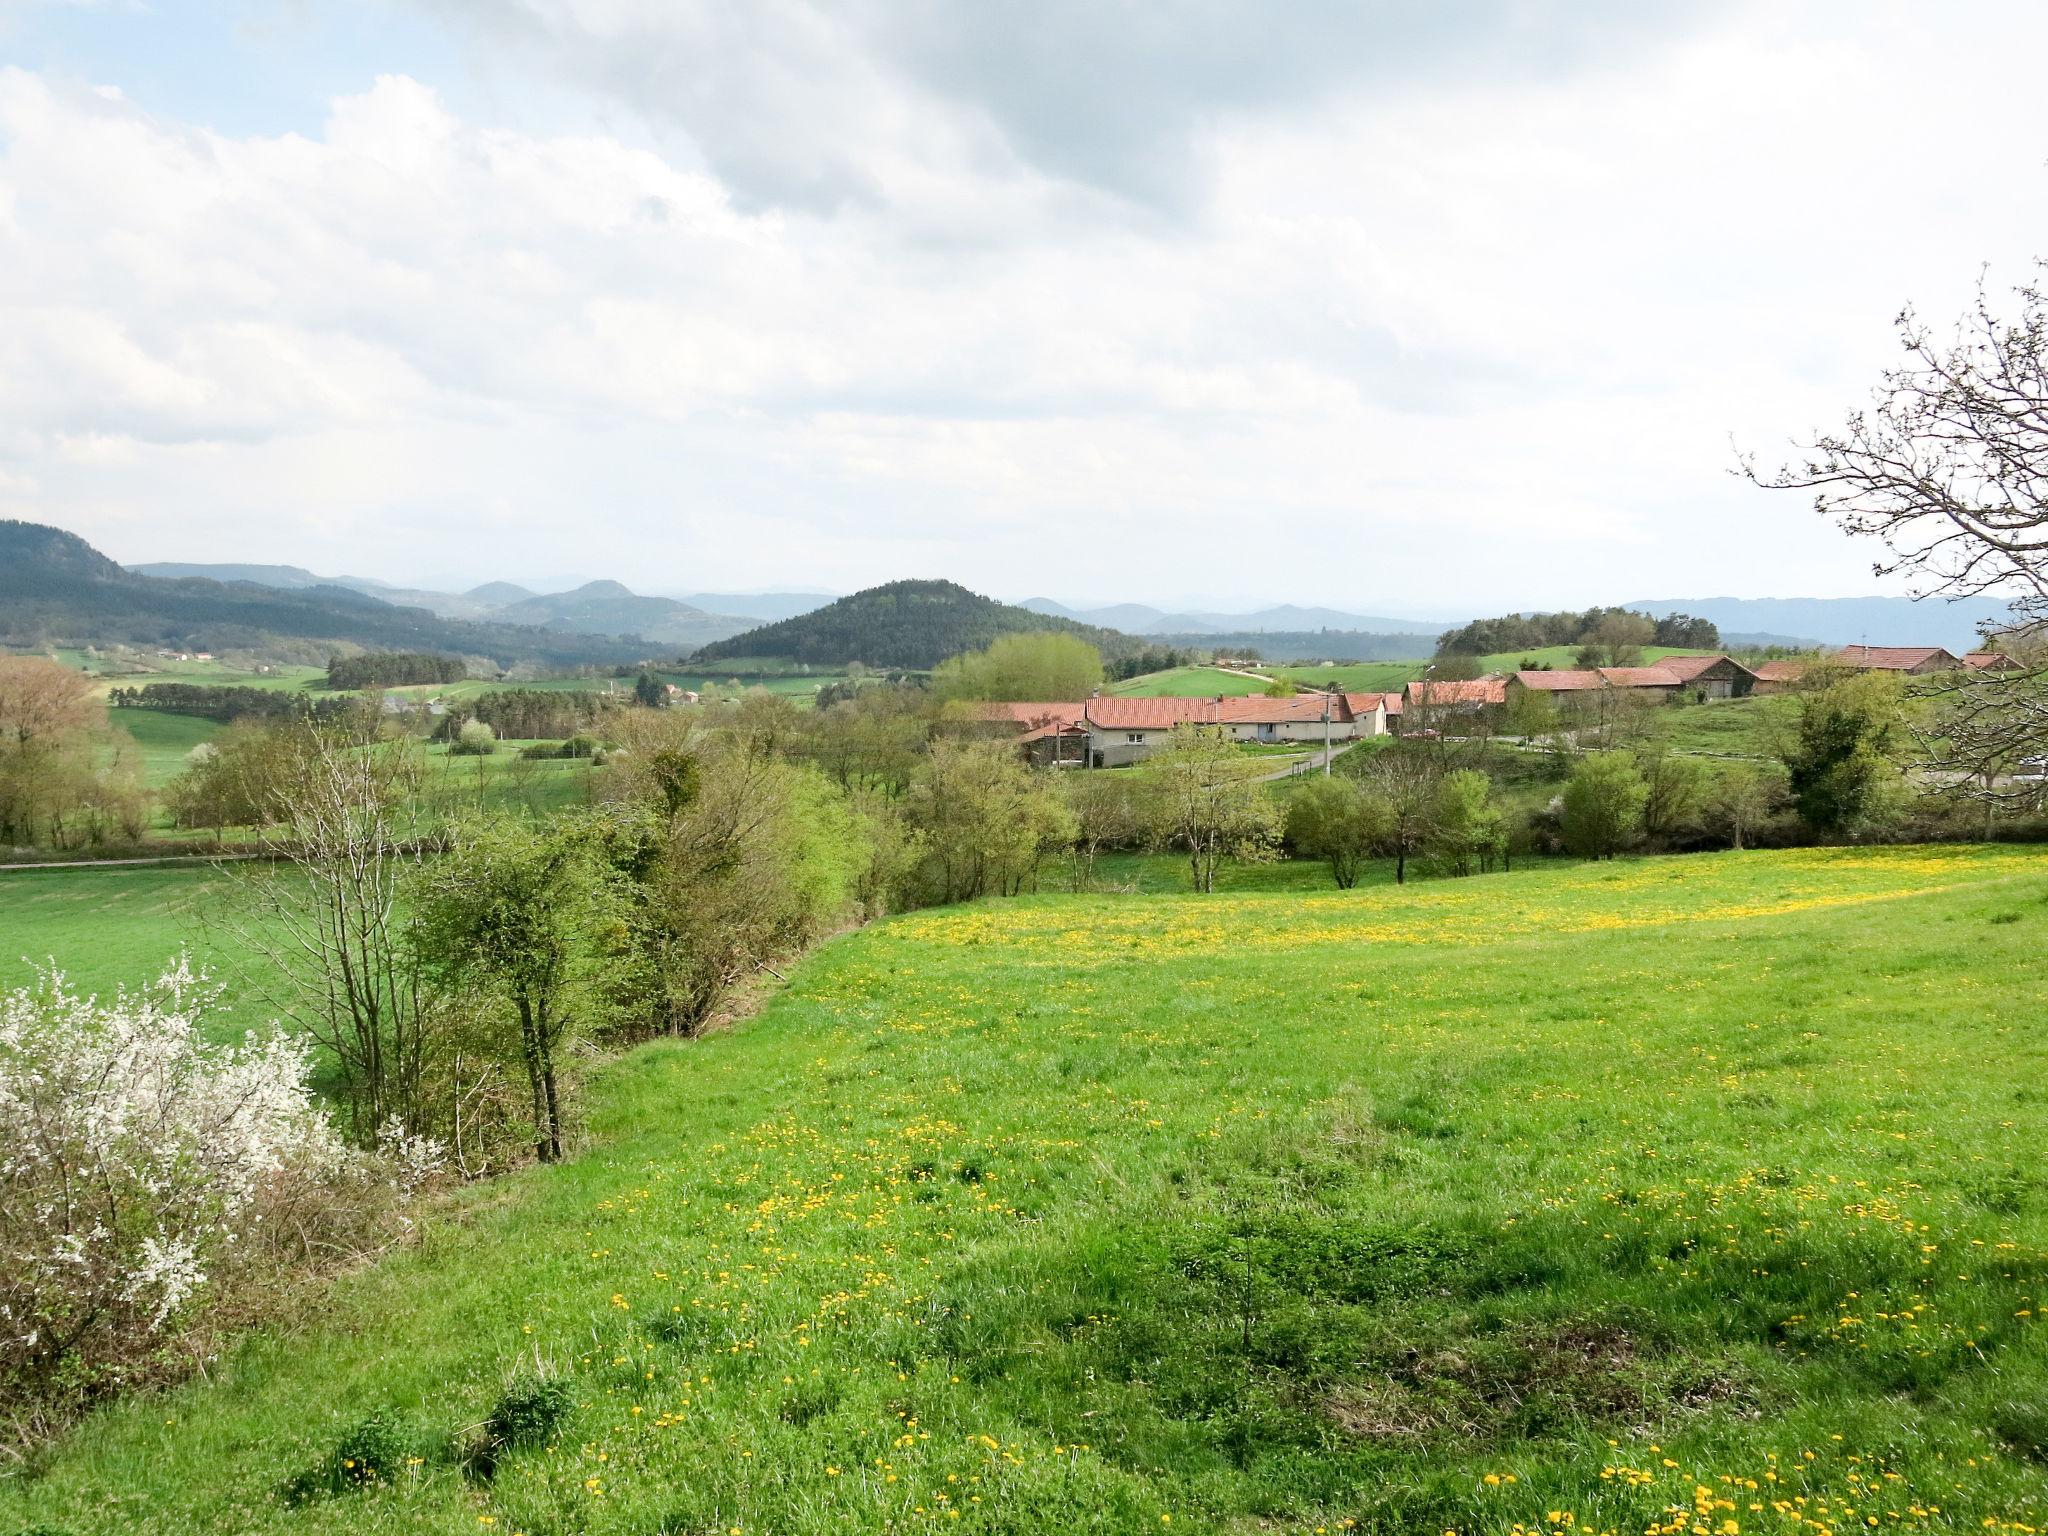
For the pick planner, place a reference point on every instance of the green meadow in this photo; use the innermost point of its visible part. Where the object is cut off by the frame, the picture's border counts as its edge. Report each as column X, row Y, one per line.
column 1674, row 1196
column 1189, row 683
column 162, row 741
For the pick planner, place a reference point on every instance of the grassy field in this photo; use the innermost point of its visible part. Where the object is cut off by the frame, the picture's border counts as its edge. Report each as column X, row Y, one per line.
column 116, row 926
column 163, row 740
column 1738, row 727
column 1683, row 1195
column 1355, row 677
column 1189, row 683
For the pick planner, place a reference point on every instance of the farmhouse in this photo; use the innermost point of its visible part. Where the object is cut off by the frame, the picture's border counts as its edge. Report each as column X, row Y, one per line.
column 1579, row 683
column 1108, row 732
column 1991, row 661
column 1457, row 697
column 1914, row 660
column 1710, row 677
column 1779, row 676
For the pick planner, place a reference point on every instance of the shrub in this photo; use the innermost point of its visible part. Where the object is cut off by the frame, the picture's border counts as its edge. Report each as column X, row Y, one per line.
column 375, row 1451
column 475, row 739
column 141, row 1170
column 1603, row 805
column 528, row 1413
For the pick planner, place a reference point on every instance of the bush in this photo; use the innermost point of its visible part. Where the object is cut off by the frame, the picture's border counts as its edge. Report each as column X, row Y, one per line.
column 1603, row 805
column 143, row 1170
column 528, row 1413
column 372, row 1453
column 475, row 739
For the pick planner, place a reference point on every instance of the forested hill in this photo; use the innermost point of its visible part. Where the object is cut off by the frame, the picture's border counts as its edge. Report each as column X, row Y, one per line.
column 57, row 589
column 903, row 624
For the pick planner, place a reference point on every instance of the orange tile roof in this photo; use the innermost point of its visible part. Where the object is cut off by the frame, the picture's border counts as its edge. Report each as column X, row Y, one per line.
column 1781, row 671
column 1985, row 660
column 1579, row 679
column 1478, row 690
column 1160, row 714
column 1031, row 713
column 1891, row 658
column 1686, row 668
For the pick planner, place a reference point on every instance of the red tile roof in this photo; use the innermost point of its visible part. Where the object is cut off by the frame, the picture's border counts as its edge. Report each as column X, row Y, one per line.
column 1575, row 680
column 1164, row 713
column 1478, row 690
column 1366, row 703
column 1686, row 668
column 1032, row 714
column 1780, row 671
column 1893, row 658
column 1990, row 661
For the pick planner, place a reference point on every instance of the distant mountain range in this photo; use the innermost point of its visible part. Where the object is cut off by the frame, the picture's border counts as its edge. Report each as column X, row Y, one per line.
column 1841, row 620
column 1140, row 619
column 57, row 589
column 595, row 608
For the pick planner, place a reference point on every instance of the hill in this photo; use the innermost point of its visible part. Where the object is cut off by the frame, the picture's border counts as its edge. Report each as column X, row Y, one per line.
column 1666, row 1195
column 1307, row 645
column 914, row 624
column 607, row 608
column 761, row 607
column 56, row 588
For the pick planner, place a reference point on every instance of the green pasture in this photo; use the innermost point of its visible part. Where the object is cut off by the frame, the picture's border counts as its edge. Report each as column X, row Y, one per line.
column 1353, row 676
column 162, row 741
column 1189, row 683
column 1674, row 1195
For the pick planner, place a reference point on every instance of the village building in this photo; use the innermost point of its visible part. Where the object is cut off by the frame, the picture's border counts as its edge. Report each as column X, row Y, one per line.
column 1992, row 661
column 1779, row 676
column 1457, row 696
column 1108, row 732
column 1710, row 677
column 1573, row 684
column 1914, row 660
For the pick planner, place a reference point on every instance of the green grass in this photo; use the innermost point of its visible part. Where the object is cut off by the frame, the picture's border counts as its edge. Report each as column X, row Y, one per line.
column 116, row 926
column 163, row 740
column 1189, row 683
column 1599, row 1189
column 1749, row 727
column 1356, row 676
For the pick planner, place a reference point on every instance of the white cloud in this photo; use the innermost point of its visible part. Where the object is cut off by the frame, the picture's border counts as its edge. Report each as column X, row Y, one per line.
column 1409, row 335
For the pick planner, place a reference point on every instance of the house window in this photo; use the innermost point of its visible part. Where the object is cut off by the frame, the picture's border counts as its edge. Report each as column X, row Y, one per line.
column 1135, row 738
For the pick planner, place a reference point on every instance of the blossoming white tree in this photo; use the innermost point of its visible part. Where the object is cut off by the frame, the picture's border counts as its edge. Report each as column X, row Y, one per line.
column 141, row 1165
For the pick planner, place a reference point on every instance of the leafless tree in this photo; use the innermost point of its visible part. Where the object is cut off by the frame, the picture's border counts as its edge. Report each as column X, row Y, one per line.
column 323, row 924
column 1948, row 468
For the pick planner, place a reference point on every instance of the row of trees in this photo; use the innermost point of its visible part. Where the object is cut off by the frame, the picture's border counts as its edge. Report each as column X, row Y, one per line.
column 1605, row 636
column 394, row 669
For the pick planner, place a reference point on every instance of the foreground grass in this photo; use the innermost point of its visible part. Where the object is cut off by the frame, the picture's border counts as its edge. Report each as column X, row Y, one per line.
column 1683, row 1195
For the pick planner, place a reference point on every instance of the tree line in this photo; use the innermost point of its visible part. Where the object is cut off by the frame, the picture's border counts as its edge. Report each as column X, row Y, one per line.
column 1606, row 636
column 394, row 669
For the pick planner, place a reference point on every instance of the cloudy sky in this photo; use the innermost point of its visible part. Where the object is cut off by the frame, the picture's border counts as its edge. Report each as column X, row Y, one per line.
column 1425, row 309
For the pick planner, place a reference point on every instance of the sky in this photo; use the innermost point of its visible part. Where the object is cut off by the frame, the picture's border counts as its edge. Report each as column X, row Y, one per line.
column 1417, row 310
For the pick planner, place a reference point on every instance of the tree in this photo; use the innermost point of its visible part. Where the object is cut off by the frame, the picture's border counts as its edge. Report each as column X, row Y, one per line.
column 1209, row 803
column 51, row 735
column 1744, row 796
column 473, row 739
column 1468, row 830
column 324, row 929
column 514, row 910
column 1673, row 789
column 649, row 691
column 1108, row 811
column 1616, row 639
column 1840, row 759
column 1948, row 470
column 1404, row 778
column 1603, row 805
column 1340, row 820
column 985, row 820
column 1045, row 665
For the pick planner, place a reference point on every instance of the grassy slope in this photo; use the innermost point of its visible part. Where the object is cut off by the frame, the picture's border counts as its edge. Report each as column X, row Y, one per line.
column 1603, row 1189
column 1188, row 683
column 163, row 740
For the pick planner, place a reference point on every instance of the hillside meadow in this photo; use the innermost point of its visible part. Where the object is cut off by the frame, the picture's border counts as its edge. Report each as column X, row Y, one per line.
column 1674, row 1196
